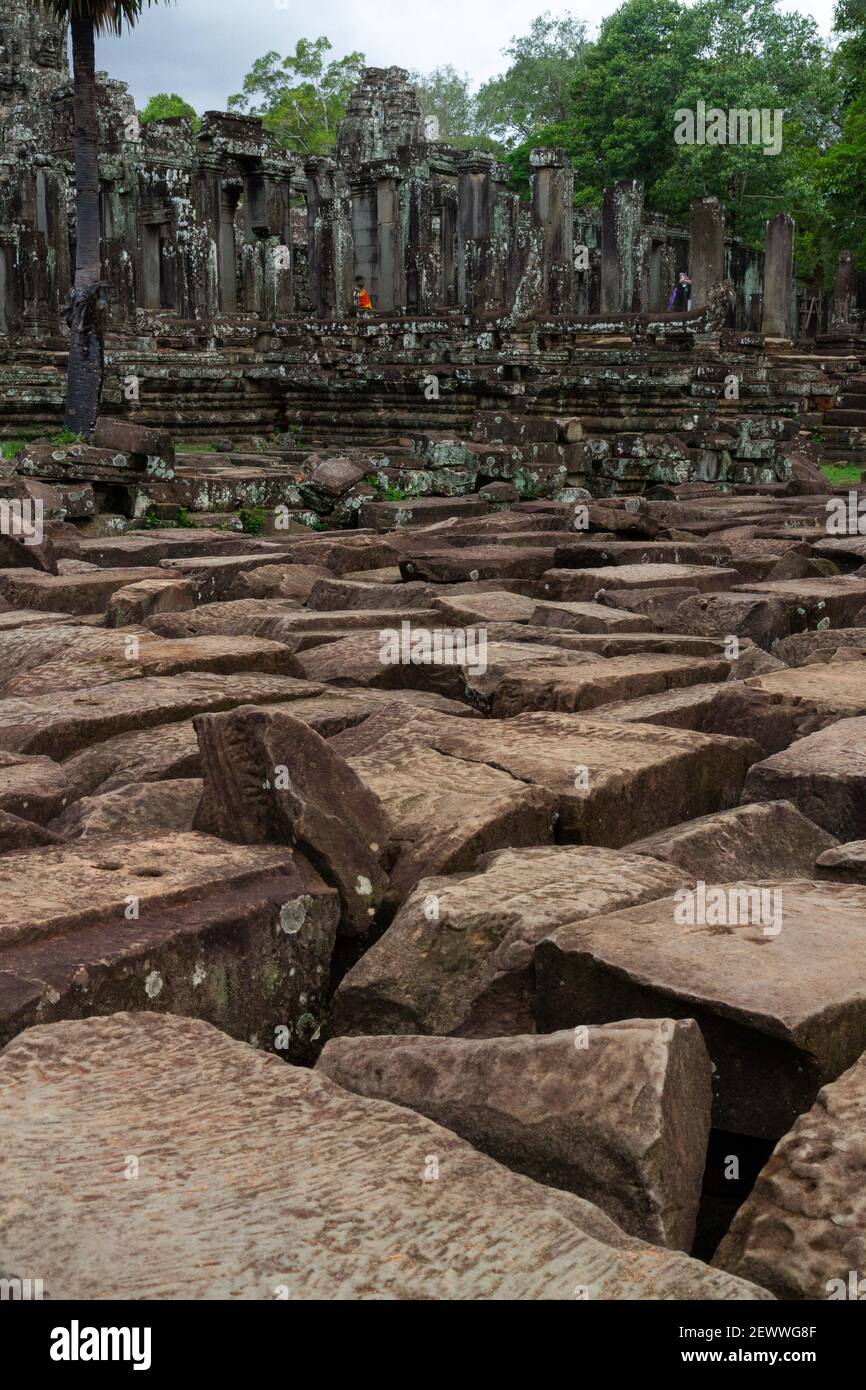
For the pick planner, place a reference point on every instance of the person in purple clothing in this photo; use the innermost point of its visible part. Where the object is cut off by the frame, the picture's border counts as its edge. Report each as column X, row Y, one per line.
column 680, row 294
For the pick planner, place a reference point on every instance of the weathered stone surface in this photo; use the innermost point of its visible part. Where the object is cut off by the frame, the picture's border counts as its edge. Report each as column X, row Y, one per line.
column 332, row 594
column 270, row 778
column 782, row 1011
column 64, row 723
column 612, row 782
column 445, row 809
column 769, row 839
column 824, row 775
column 837, row 689
column 137, row 808
column 804, row 648
column 802, row 1229
column 135, row 602
column 87, row 592
column 588, row 617
column 620, row 1116
column 191, row 1101
column 120, row 657
column 16, row 833
column 15, row 553
column 843, row 863
column 811, row 601
column 764, row 620
column 131, row 438
column 279, row 581
column 458, row 956
column 167, row 752
column 34, row 788
column 571, row 686
column 188, row 924
column 582, row 585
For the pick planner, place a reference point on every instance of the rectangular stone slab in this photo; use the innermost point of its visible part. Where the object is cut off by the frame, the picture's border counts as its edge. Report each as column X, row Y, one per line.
column 86, row 592
column 620, row 1116
column 824, row 775
column 505, row 689
column 214, row 1218
column 62, row 723
column 837, row 689
column 614, row 782
column 458, row 956
column 781, row 1014
column 236, row 934
column 811, row 601
column 582, row 585
column 770, row 839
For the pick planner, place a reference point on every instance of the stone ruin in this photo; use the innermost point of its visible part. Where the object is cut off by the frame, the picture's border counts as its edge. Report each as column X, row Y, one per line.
column 502, row 841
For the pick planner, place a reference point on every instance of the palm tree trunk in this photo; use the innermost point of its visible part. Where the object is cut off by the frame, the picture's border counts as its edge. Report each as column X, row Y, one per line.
column 86, row 300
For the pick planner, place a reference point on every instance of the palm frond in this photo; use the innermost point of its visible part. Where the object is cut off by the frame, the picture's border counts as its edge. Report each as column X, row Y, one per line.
column 106, row 16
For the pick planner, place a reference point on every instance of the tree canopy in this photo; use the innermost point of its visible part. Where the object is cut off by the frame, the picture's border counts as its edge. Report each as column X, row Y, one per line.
column 167, row 104
column 610, row 100
column 301, row 97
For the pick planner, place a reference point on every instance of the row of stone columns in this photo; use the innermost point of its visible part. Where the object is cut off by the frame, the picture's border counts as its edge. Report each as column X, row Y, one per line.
column 419, row 254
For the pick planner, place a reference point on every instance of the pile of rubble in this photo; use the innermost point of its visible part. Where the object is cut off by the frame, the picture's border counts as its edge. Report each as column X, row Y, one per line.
column 468, row 904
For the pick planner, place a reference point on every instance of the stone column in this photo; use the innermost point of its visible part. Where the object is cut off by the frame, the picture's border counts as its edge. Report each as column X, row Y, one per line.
column 553, row 213
column 778, row 315
column 445, row 209
column 329, row 224
column 844, row 291
column 621, row 215
column 707, row 249
column 365, row 231
column 476, row 291
column 389, row 239
column 422, row 262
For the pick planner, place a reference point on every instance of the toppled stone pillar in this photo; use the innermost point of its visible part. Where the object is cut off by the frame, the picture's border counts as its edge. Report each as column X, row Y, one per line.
column 552, row 213
column 778, row 315
column 622, row 210
column 844, row 291
column 329, row 224
column 707, row 249
column 476, row 258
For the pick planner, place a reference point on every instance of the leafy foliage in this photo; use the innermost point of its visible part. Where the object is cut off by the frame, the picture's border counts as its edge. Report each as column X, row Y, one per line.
column 301, row 97
column 165, row 105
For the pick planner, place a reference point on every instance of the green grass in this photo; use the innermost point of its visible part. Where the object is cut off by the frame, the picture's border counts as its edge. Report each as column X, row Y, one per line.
column 253, row 520
column 184, row 448
column 152, row 522
column 11, row 448
column 836, row 475
column 388, row 492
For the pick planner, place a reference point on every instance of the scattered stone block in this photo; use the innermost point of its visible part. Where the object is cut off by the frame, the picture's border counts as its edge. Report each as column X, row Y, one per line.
column 190, row 1101
column 619, row 1116
column 781, row 1003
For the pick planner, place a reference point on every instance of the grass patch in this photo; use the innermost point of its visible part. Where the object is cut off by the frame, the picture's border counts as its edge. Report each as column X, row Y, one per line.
column 253, row 520
column 836, row 475
column 151, row 522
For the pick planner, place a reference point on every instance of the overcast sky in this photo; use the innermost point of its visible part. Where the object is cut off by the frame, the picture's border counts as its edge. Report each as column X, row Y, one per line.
column 202, row 49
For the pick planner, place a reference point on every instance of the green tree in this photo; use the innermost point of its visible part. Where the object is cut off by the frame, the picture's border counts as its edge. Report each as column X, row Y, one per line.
column 535, row 91
column 165, row 105
column 87, row 298
column 841, row 172
column 301, row 98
